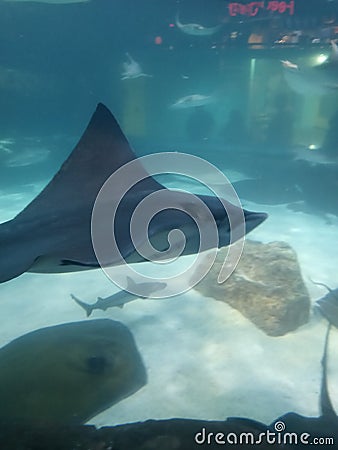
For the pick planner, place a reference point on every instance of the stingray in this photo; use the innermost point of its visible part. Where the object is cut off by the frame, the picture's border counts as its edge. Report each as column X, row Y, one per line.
column 328, row 305
column 53, row 233
column 132, row 69
column 195, row 29
column 192, row 101
column 68, row 373
column 321, row 79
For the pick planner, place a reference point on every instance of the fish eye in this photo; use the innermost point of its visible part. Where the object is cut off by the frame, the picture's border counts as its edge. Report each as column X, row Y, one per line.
column 96, row 364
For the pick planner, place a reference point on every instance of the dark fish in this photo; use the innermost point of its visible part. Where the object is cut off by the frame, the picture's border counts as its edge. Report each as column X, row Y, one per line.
column 68, row 373
column 195, row 29
column 53, row 233
column 328, row 305
column 290, row 431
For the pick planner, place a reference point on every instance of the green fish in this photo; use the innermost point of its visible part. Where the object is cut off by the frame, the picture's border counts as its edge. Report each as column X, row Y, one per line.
column 68, row 373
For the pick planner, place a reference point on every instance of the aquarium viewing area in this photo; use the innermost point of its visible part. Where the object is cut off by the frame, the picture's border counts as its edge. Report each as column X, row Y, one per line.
column 168, row 224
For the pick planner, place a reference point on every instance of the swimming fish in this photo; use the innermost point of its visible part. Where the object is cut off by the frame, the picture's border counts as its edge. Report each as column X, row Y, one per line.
column 195, row 29
column 132, row 69
column 53, row 233
column 313, row 156
column 68, row 373
column 191, row 101
column 328, row 305
column 122, row 297
column 321, row 79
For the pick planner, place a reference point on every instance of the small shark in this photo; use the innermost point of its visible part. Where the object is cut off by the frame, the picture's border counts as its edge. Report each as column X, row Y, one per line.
column 53, row 234
column 132, row 69
column 192, row 101
column 321, row 79
column 121, row 298
column 195, row 29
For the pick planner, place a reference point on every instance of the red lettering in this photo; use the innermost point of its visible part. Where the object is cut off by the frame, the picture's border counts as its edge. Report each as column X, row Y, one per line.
column 250, row 9
column 281, row 7
column 234, row 9
column 254, row 8
column 273, row 6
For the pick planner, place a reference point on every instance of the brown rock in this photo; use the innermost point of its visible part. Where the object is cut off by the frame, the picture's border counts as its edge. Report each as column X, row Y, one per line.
column 266, row 287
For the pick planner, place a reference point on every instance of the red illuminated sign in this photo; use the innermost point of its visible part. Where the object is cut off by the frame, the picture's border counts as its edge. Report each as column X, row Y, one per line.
column 252, row 8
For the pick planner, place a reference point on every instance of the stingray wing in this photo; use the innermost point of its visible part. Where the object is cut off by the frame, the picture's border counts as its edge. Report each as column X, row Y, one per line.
column 102, row 150
column 54, row 229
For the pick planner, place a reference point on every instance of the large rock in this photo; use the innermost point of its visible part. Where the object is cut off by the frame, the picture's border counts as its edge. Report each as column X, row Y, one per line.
column 266, row 287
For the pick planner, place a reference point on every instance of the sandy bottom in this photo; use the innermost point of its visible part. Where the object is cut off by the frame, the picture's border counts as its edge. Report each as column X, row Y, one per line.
column 204, row 360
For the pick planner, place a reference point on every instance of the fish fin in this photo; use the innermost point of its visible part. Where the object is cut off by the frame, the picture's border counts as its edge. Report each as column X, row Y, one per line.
column 131, row 285
column 88, row 308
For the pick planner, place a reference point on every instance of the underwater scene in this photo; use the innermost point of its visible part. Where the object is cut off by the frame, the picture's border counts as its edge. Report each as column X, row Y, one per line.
column 169, row 224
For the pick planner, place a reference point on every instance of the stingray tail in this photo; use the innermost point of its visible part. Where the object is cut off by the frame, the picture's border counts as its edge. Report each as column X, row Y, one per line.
column 325, row 401
column 88, row 308
column 317, row 283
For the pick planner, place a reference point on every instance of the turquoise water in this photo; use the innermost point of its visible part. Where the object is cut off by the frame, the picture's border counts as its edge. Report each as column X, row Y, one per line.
column 274, row 138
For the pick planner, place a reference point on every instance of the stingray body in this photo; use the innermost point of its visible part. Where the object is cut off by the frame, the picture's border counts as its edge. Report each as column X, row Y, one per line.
column 68, row 373
column 328, row 305
column 132, row 69
column 192, row 101
column 195, row 29
column 53, row 233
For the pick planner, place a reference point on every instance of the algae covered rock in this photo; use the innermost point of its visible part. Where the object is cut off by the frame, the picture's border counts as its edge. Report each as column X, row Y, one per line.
column 68, row 373
column 266, row 287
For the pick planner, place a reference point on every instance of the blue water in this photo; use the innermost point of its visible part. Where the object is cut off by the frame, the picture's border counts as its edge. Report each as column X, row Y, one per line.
column 57, row 62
